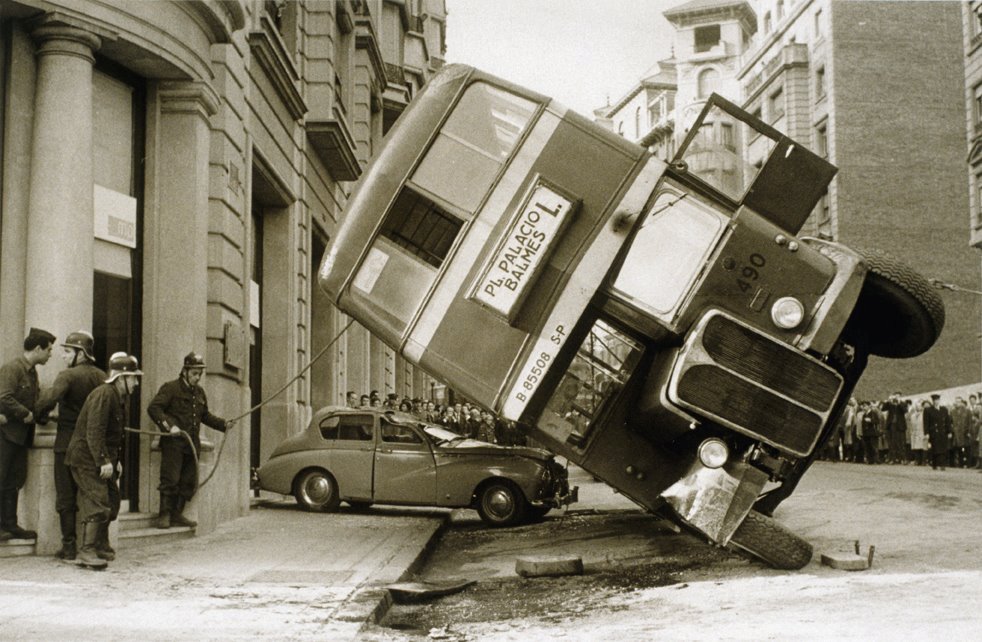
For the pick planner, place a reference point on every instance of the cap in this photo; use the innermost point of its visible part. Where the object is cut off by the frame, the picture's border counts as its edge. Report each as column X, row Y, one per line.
column 81, row 340
column 123, row 364
column 935, row 396
column 37, row 336
column 194, row 360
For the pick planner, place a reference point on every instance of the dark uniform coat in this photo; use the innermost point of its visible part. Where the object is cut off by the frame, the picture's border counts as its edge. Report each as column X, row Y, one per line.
column 70, row 390
column 18, row 397
column 180, row 404
column 98, row 432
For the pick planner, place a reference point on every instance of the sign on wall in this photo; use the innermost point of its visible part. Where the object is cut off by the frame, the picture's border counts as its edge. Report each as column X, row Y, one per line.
column 114, row 216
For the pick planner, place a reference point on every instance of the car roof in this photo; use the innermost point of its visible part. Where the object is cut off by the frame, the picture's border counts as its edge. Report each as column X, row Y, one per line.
column 392, row 415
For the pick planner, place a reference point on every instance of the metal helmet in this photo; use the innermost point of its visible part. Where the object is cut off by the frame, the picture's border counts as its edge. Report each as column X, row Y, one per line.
column 193, row 360
column 123, row 364
column 81, row 340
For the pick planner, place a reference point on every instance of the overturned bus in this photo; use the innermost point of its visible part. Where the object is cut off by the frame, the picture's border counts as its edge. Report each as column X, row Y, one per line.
column 659, row 324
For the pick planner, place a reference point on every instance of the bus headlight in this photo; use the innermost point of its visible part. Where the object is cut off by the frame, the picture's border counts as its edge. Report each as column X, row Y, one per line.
column 787, row 312
column 713, row 452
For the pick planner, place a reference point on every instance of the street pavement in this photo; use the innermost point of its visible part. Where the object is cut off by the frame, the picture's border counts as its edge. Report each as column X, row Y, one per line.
column 277, row 573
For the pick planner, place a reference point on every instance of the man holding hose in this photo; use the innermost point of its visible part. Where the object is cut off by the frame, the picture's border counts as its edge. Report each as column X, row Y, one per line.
column 181, row 405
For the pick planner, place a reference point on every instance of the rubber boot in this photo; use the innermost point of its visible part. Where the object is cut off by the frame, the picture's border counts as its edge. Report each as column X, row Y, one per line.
column 68, row 537
column 102, row 547
column 10, row 517
column 166, row 507
column 177, row 518
column 87, row 555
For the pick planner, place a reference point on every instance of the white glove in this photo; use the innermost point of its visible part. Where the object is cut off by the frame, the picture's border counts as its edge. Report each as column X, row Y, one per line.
column 106, row 471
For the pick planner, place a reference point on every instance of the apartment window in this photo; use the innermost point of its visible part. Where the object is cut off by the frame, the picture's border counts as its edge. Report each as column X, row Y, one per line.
column 775, row 104
column 978, row 105
column 820, row 83
column 726, row 138
column 708, row 81
column 822, row 140
column 818, row 24
column 767, row 22
column 637, row 122
column 780, row 9
column 977, row 20
column 707, row 37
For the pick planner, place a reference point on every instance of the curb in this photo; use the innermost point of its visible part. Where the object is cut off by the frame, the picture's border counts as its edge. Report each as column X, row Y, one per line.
column 370, row 604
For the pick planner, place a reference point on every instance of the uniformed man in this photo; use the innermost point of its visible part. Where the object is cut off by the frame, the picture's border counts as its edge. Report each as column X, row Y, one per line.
column 18, row 397
column 181, row 405
column 69, row 391
column 93, row 455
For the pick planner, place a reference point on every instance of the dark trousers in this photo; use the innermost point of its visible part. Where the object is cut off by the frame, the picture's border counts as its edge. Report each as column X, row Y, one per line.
column 178, row 469
column 870, row 449
column 13, row 474
column 66, row 490
column 98, row 499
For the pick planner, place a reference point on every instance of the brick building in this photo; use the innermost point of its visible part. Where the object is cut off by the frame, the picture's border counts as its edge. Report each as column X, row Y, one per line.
column 171, row 174
column 883, row 102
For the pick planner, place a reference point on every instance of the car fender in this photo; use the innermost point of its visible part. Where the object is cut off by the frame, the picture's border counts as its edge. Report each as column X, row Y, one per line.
column 459, row 477
column 278, row 474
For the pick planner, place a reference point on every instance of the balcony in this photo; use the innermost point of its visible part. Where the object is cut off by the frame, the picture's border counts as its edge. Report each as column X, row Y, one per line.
column 333, row 143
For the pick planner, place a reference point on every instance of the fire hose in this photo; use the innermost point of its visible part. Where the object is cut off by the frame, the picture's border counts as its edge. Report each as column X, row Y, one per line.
column 218, row 456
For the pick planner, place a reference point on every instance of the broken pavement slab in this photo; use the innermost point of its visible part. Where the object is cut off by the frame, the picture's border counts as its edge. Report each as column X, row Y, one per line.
column 548, row 565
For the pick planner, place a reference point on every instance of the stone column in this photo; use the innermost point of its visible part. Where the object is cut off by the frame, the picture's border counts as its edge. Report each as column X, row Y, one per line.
column 58, row 278
column 58, row 293
column 175, row 251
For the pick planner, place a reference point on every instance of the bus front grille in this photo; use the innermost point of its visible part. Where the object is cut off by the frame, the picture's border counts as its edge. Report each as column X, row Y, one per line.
column 754, row 384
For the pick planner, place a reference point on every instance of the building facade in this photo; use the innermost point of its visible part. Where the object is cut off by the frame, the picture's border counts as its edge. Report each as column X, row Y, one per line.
column 883, row 102
column 171, row 175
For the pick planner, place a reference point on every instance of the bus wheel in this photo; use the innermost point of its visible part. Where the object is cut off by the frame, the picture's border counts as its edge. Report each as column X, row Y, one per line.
column 767, row 540
column 317, row 490
column 899, row 312
column 501, row 503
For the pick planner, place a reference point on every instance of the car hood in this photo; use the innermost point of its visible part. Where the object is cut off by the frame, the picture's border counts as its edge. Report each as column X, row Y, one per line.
column 475, row 447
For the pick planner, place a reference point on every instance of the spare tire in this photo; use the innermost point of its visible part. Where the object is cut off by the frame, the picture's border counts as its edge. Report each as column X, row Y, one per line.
column 899, row 312
column 767, row 540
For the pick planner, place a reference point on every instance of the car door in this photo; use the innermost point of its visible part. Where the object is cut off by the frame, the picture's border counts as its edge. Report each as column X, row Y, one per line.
column 405, row 472
column 352, row 443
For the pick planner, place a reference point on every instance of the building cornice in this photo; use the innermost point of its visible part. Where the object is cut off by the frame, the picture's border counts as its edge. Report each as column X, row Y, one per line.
column 272, row 58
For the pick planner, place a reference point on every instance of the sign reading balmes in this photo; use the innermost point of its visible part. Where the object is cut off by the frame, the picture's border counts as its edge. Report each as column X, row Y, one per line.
column 511, row 268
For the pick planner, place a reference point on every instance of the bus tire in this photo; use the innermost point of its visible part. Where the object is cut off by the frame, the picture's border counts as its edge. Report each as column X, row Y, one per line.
column 899, row 312
column 767, row 540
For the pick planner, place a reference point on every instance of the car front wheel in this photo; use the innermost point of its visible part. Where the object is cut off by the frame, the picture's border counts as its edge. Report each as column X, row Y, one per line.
column 501, row 503
column 317, row 490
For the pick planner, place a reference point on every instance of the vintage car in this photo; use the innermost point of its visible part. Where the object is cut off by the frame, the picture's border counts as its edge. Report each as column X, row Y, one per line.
column 367, row 456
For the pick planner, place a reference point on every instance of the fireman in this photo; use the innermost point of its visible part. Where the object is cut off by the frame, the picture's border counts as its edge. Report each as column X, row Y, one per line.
column 181, row 406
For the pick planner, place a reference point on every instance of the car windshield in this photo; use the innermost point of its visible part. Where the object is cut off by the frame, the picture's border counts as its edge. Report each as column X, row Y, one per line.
column 440, row 435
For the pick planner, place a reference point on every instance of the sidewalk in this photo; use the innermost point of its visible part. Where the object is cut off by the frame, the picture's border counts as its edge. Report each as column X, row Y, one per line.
column 277, row 573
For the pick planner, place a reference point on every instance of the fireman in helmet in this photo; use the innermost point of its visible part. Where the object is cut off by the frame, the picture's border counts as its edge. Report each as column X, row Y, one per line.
column 181, row 405
column 69, row 391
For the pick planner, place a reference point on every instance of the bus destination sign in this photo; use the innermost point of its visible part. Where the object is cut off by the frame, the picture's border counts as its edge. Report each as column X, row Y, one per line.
column 523, row 249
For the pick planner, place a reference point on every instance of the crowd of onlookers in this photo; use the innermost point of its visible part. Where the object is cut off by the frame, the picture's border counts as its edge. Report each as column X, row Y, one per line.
column 909, row 431
column 462, row 418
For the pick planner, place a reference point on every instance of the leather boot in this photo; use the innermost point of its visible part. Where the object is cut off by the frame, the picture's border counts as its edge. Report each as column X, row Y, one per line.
column 102, row 547
column 87, row 555
column 177, row 516
column 10, row 517
column 166, row 506
column 68, row 538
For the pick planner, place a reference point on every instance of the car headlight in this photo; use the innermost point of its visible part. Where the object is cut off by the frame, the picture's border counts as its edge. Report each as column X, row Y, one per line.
column 713, row 452
column 787, row 312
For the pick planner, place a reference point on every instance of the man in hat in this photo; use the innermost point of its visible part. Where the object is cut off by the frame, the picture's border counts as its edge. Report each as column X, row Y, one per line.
column 93, row 455
column 937, row 427
column 181, row 405
column 69, row 391
column 18, row 398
